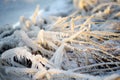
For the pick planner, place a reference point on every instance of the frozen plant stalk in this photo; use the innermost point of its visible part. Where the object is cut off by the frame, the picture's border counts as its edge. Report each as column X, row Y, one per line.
column 35, row 14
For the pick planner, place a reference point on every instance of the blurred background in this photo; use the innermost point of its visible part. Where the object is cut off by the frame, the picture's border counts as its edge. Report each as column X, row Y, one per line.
column 11, row 10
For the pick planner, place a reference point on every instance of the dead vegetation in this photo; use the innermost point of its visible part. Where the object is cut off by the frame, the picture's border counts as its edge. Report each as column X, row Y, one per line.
column 79, row 46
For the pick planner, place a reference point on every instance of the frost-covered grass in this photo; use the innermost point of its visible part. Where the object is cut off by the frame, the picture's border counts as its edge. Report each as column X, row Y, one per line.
column 82, row 44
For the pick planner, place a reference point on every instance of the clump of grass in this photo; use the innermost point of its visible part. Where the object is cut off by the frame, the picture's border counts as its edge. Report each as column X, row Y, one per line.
column 75, row 46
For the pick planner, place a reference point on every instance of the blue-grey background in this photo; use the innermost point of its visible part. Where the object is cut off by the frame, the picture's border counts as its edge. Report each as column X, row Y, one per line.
column 11, row 10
